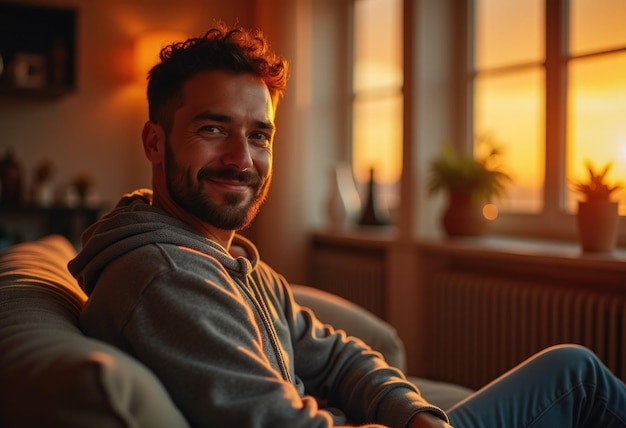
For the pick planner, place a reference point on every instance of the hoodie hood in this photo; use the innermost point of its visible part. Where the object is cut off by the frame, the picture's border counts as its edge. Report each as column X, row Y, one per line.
column 134, row 223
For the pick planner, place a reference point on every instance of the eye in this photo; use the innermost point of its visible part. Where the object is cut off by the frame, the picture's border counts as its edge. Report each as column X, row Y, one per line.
column 260, row 138
column 211, row 132
column 210, row 129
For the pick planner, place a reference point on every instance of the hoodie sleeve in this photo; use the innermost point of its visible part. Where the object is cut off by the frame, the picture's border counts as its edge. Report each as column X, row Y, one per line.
column 345, row 372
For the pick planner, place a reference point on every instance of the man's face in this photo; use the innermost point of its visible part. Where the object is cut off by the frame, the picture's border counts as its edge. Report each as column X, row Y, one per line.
column 218, row 156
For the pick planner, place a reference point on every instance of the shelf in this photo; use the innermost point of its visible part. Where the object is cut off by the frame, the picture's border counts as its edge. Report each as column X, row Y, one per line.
column 37, row 51
column 26, row 223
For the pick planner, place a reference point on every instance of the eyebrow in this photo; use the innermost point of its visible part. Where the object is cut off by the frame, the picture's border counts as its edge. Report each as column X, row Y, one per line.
column 223, row 118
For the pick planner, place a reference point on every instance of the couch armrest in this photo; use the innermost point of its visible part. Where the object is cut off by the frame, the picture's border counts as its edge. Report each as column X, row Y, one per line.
column 50, row 373
column 354, row 320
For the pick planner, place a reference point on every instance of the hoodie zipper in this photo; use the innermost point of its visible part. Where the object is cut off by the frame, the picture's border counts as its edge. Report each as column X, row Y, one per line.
column 260, row 304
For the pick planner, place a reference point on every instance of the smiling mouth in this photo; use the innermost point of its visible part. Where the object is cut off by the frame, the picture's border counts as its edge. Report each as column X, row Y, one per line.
column 230, row 185
column 230, row 181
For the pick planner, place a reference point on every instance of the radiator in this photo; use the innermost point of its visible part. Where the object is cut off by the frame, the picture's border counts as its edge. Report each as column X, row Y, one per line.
column 483, row 326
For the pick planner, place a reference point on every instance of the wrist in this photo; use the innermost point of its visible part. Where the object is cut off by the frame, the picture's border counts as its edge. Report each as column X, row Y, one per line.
column 427, row 420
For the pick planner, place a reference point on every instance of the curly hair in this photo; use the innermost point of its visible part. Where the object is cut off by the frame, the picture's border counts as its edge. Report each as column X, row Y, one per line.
column 235, row 50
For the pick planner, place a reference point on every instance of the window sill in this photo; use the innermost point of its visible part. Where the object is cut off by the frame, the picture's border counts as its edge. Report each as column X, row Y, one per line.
column 520, row 256
column 564, row 263
column 527, row 247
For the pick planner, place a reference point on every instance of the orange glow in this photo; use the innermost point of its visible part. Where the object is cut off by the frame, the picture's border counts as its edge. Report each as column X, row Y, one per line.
column 377, row 139
column 147, row 48
column 490, row 212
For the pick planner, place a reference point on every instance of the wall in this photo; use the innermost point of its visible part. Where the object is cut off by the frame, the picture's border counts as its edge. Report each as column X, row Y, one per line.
column 97, row 128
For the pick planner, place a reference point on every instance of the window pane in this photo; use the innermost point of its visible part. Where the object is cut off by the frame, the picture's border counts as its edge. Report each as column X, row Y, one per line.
column 597, row 25
column 597, row 118
column 377, row 138
column 510, row 108
column 377, row 44
column 509, row 32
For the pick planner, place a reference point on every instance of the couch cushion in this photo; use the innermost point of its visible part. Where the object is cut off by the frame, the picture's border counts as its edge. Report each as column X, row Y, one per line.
column 50, row 373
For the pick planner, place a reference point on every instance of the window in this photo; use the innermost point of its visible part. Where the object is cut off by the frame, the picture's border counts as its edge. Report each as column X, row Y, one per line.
column 377, row 93
column 548, row 86
column 509, row 92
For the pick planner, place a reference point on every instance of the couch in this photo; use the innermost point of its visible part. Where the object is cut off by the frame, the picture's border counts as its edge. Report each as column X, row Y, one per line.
column 51, row 375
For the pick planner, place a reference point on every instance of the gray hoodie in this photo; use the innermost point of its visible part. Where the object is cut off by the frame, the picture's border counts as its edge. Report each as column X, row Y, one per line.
column 224, row 334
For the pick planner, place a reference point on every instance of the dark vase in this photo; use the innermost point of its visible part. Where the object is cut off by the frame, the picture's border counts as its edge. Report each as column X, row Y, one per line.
column 371, row 215
column 463, row 216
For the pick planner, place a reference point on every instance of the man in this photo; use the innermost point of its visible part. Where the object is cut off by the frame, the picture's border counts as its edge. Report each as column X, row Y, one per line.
column 171, row 282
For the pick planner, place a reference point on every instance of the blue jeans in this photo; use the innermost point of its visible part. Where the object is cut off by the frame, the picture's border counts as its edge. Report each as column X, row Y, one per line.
column 563, row 386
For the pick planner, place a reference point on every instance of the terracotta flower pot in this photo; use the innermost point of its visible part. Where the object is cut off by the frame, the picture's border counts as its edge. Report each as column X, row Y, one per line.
column 597, row 225
column 463, row 216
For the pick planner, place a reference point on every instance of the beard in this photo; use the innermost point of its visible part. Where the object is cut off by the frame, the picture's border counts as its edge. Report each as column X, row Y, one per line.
column 234, row 212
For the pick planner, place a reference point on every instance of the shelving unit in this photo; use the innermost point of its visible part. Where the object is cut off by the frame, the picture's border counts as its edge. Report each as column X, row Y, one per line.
column 26, row 223
column 37, row 50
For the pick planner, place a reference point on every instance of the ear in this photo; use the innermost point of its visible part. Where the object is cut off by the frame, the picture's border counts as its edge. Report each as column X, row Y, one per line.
column 153, row 137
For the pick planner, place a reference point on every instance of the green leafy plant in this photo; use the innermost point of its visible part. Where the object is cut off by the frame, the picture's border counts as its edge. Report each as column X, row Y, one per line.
column 597, row 187
column 482, row 176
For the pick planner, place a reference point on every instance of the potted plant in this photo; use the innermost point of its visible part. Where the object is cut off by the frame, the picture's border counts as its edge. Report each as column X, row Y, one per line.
column 470, row 183
column 597, row 217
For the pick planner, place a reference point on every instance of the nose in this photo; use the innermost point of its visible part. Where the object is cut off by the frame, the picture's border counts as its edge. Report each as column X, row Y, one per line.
column 237, row 153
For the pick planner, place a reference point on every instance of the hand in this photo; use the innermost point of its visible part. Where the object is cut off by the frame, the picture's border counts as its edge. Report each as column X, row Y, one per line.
column 427, row 420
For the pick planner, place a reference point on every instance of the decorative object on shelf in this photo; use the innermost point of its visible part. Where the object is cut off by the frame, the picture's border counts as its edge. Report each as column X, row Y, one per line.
column 10, row 179
column 371, row 215
column 82, row 183
column 597, row 218
column 43, row 190
column 343, row 203
column 29, row 70
column 470, row 183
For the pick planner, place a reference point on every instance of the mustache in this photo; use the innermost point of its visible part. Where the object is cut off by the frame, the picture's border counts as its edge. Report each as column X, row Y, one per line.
column 247, row 177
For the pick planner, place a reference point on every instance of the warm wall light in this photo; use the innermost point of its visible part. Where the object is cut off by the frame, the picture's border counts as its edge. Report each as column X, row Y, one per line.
column 147, row 48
